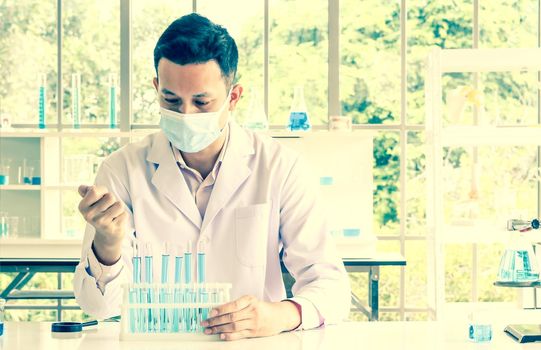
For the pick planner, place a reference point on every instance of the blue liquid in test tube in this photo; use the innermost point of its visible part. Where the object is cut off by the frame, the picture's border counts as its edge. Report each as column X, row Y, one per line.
column 202, row 313
column 152, row 317
column 188, row 294
column 177, row 324
column 164, row 315
column 135, row 297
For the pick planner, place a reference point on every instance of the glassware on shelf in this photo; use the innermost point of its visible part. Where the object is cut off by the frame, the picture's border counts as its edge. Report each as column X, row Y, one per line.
column 3, row 225
column 29, row 226
column 112, row 101
column 339, row 123
column 256, row 118
column 298, row 115
column 4, row 172
column 12, row 226
column 28, row 172
column 518, row 263
column 76, row 100
column 79, row 168
column 42, row 100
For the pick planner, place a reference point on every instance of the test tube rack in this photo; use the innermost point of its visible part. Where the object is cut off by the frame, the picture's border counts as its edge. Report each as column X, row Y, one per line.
column 169, row 311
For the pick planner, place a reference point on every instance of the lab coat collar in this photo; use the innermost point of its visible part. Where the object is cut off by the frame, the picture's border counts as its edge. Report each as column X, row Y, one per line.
column 233, row 172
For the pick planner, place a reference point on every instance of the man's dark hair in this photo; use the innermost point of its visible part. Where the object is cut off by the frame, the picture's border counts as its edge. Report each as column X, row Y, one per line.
column 195, row 39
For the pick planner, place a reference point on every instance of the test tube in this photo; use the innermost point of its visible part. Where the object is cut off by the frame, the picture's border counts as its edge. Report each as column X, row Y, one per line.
column 202, row 313
column 177, row 295
column 201, row 261
column 188, row 263
column 188, row 293
column 178, row 265
column 152, row 319
column 164, row 316
column 135, row 295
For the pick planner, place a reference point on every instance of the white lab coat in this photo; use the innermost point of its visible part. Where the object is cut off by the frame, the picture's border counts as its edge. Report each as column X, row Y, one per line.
column 262, row 201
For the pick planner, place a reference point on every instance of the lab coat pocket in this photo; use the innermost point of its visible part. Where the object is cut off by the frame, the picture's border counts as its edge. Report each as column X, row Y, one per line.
column 251, row 234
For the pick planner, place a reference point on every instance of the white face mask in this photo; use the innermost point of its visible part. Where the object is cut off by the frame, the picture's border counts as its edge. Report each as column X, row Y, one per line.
column 192, row 132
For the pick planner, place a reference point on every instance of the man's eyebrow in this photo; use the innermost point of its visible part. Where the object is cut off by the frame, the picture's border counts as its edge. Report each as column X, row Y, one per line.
column 168, row 92
column 200, row 94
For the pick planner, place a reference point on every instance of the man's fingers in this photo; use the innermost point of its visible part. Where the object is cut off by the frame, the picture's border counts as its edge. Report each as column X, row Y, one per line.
column 246, row 333
column 107, row 216
column 233, row 306
column 83, row 189
column 227, row 318
column 106, row 202
column 231, row 327
column 93, row 194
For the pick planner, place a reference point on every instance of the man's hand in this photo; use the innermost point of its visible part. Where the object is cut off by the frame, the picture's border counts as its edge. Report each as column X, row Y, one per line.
column 102, row 210
column 248, row 317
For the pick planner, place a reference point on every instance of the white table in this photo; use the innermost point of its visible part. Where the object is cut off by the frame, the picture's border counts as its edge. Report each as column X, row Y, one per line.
column 362, row 335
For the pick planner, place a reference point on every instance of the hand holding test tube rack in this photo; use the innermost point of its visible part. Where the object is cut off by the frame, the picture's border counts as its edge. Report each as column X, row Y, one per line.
column 169, row 310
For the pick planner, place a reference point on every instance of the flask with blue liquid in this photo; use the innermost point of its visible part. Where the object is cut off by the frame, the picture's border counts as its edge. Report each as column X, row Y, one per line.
column 518, row 263
column 298, row 115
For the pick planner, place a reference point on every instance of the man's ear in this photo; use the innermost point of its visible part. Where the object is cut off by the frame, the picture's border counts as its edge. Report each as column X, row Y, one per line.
column 236, row 93
column 155, row 83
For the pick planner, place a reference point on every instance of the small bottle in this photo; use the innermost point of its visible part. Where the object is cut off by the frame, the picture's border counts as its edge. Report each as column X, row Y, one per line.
column 41, row 100
column 298, row 115
column 112, row 101
column 76, row 100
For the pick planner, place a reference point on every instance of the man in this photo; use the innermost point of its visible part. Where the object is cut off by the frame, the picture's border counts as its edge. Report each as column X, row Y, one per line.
column 203, row 178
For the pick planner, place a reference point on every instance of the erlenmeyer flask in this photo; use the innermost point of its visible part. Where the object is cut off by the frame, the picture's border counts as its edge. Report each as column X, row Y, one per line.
column 298, row 115
column 518, row 263
column 256, row 118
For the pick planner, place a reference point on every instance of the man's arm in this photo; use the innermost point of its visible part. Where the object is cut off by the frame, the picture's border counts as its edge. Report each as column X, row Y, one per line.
column 321, row 282
column 322, row 286
column 104, row 265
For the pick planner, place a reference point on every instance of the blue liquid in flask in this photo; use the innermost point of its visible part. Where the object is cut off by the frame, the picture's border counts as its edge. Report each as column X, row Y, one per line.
column 298, row 121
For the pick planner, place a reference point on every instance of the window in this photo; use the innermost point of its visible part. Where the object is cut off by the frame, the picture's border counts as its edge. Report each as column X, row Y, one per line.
column 285, row 43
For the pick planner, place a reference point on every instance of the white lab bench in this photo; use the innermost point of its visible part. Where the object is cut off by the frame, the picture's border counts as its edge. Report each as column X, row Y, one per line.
column 350, row 335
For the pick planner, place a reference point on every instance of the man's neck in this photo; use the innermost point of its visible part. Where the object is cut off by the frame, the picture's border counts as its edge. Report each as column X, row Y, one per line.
column 204, row 160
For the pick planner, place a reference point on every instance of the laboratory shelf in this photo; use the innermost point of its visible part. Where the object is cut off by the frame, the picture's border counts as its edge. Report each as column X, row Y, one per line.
column 62, row 187
column 491, row 136
column 70, row 133
column 517, row 284
column 20, row 187
column 40, row 241
column 40, row 248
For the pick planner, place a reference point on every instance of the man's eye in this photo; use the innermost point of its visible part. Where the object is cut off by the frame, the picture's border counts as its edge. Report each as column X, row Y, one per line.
column 172, row 101
column 201, row 103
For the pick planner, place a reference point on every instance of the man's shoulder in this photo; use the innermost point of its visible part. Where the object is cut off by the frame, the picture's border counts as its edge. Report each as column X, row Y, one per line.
column 134, row 152
column 268, row 147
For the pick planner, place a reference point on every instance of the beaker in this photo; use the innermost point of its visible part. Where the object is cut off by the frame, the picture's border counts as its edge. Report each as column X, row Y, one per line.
column 518, row 262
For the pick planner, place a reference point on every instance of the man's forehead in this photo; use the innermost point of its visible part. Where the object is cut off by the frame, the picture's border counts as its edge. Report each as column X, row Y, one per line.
column 195, row 79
